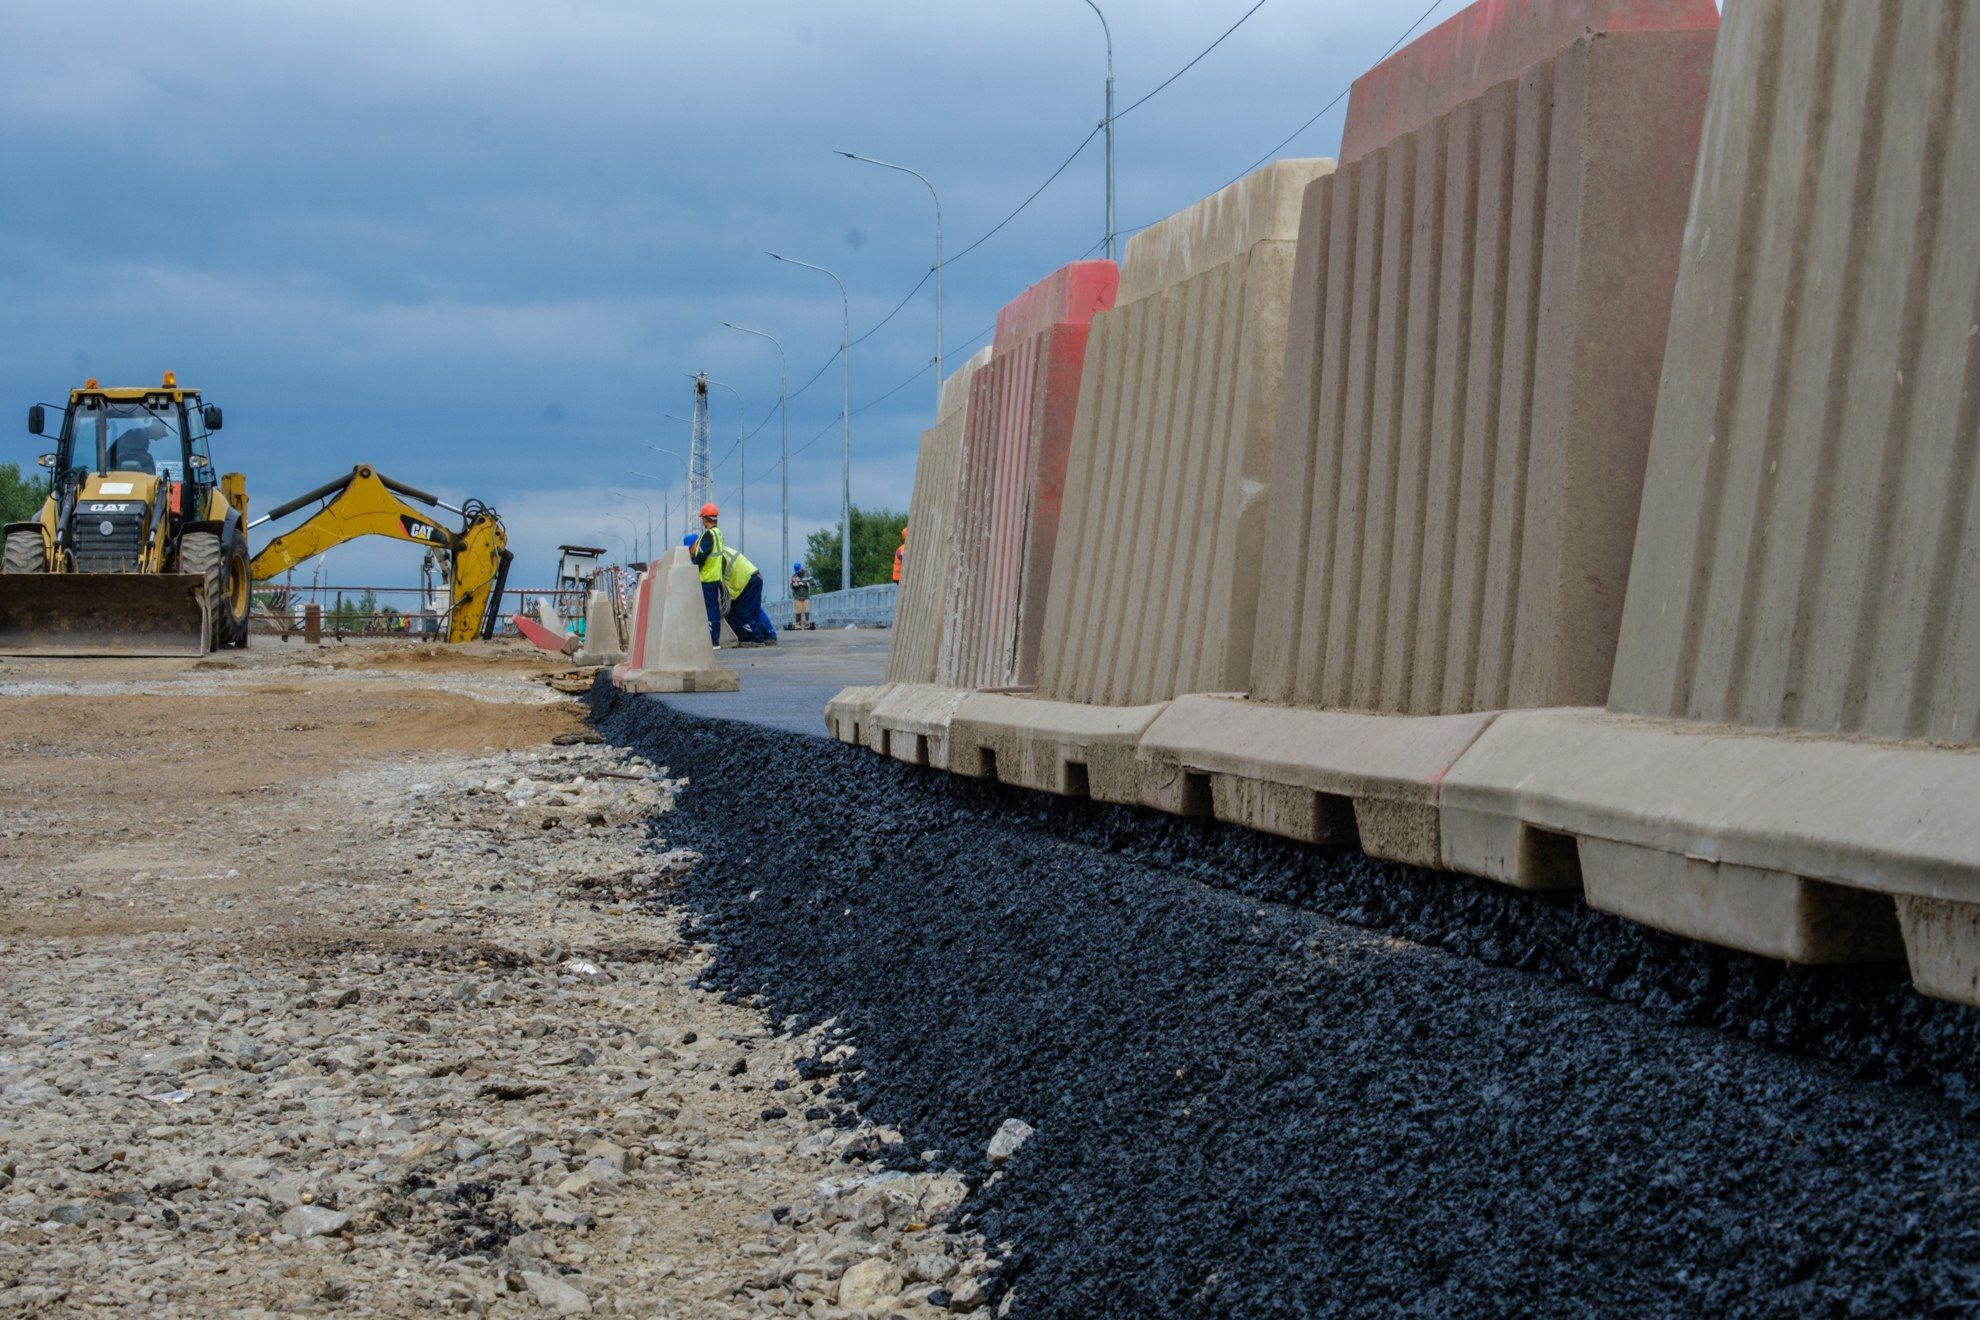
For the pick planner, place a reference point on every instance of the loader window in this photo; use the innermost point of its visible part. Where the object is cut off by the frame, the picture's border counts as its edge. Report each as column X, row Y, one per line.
column 128, row 436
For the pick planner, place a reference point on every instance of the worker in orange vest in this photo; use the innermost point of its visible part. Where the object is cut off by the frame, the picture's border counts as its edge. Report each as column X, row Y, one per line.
column 900, row 554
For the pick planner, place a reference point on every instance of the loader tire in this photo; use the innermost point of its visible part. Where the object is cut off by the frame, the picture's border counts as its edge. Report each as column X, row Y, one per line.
column 240, row 594
column 201, row 553
column 26, row 553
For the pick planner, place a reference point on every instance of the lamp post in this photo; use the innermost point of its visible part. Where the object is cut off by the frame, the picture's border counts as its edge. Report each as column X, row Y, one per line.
column 634, row 549
column 666, row 506
column 889, row 165
column 845, row 420
column 1108, row 33
column 649, row 517
column 784, row 426
column 742, row 462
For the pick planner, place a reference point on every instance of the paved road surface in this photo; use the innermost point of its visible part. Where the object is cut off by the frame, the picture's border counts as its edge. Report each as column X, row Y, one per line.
column 786, row 686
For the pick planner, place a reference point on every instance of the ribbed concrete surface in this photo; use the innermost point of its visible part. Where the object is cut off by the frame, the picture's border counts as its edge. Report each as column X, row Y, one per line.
column 1479, row 316
column 1806, row 559
column 1809, row 556
column 928, row 580
column 1488, row 43
column 1154, row 585
column 1020, row 424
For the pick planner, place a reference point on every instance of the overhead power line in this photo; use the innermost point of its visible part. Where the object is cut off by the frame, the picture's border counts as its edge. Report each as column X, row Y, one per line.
column 1339, row 96
column 1121, row 114
column 1039, row 191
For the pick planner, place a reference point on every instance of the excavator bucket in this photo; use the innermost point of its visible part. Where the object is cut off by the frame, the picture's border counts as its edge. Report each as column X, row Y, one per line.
column 138, row 614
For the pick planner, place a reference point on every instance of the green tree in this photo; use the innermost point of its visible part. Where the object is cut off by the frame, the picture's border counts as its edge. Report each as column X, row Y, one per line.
column 876, row 535
column 20, row 497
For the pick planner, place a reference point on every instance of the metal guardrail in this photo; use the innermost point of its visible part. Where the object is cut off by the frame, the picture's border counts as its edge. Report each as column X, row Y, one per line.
column 862, row 607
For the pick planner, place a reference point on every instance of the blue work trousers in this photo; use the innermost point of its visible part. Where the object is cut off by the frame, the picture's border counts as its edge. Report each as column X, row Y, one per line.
column 746, row 614
column 711, row 596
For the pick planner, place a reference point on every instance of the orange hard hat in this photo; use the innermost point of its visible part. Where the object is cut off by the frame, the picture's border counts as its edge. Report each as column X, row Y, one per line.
column 710, row 511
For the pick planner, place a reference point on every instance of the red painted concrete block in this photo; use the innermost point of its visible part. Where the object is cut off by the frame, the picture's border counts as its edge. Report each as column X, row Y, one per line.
column 1021, row 412
column 1487, row 44
column 1070, row 295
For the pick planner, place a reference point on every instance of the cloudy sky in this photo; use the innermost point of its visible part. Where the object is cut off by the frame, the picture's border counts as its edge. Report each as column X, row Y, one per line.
column 481, row 244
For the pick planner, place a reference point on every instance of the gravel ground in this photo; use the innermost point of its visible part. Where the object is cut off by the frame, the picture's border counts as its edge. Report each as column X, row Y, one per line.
column 1315, row 1083
column 431, row 1039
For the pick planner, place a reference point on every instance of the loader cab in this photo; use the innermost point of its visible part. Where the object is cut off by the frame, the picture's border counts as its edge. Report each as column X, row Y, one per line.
column 153, row 435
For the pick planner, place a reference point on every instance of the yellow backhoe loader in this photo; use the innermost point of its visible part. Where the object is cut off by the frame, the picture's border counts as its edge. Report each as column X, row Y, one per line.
column 140, row 548
column 475, row 559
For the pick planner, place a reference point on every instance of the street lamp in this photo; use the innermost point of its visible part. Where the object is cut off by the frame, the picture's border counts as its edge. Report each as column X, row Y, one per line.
column 666, row 506
column 889, row 165
column 687, row 474
column 1109, row 122
column 649, row 518
column 634, row 550
column 742, row 461
column 666, row 528
column 784, row 424
column 845, row 420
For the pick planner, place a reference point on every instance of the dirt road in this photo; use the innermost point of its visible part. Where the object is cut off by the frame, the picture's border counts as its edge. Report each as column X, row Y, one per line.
column 345, row 978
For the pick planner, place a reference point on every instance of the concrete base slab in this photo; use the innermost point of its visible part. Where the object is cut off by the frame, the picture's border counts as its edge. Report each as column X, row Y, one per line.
column 1320, row 776
column 598, row 659
column 678, row 680
column 914, row 720
column 1767, row 912
column 849, row 715
column 1754, row 832
column 1942, row 944
column 1064, row 747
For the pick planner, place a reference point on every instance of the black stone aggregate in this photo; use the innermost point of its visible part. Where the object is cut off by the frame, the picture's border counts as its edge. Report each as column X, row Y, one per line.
column 1269, row 1079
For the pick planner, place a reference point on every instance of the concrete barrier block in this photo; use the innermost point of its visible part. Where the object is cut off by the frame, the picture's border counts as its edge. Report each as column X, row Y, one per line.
column 1063, row 747
column 1807, row 550
column 849, row 715
column 1012, row 477
column 602, row 644
column 1020, row 424
column 680, row 658
column 1783, row 916
column 1942, row 944
column 646, row 610
column 1262, row 207
column 923, row 610
column 1170, row 457
column 1894, row 817
column 1791, row 749
column 1483, row 45
column 914, row 719
column 1479, row 317
column 1071, row 295
column 1318, row 776
column 1783, row 844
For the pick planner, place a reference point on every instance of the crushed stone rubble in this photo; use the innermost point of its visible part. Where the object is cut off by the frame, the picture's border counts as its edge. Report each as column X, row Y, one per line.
column 1198, row 1101
column 466, row 1068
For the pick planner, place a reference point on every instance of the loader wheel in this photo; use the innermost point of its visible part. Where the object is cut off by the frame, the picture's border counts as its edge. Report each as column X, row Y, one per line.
column 26, row 553
column 200, row 552
column 240, row 595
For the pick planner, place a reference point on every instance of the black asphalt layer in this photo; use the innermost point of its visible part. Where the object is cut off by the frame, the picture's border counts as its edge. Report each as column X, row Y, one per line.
column 1277, row 1080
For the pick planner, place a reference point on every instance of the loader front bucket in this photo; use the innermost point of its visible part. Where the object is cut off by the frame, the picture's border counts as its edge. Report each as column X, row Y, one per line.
column 135, row 614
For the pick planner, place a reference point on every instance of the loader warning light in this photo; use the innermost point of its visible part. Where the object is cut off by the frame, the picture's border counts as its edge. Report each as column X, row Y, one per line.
column 90, row 384
column 171, row 380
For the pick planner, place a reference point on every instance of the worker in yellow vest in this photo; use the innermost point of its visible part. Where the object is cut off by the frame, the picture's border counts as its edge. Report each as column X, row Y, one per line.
column 723, row 569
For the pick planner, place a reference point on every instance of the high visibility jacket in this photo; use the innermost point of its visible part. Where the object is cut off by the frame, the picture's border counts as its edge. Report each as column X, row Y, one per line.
column 900, row 557
column 707, row 553
column 740, row 571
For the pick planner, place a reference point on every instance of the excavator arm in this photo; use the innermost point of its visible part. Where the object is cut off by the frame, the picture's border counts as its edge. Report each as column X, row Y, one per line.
column 369, row 503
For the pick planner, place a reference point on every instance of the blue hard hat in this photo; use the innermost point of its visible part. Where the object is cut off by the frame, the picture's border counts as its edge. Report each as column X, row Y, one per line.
column 689, row 539
column 797, row 568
